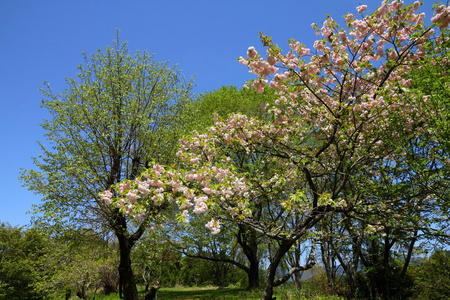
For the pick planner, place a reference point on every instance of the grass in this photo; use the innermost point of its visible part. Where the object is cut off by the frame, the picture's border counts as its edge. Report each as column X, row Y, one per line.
column 207, row 293
column 227, row 293
column 196, row 293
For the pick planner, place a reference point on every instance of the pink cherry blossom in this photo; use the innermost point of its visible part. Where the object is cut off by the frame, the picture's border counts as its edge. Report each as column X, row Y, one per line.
column 271, row 60
column 361, row 9
column 200, row 207
column 214, row 226
column 339, row 106
column 251, row 52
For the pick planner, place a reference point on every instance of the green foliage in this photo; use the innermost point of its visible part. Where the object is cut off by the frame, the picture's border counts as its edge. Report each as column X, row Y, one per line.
column 379, row 281
column 223, row 102
column 158, row 259
column 79, row 262
column 155, row 261
column 207, row 293
column 21, row 254
column 200, row 115
column 234, row 293
column 313, row 289
column 35, row 265
column 121, row 112
column 432, row 276
column 230, row 293
column 432, row 79
column 199, row 272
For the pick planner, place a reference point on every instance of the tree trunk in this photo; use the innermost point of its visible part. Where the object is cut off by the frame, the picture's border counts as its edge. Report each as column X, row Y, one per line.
column 68, row 294
column 298, row 280
column 152, row 294
column 82, row 294
column 253, row 274
column 327, row 263
column 248, row 240
column 127, row 283
column 408, row 257
column 272, row 270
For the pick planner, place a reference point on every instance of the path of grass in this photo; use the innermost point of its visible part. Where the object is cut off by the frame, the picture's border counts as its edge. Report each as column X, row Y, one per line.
column 228, row 293
column 207, row 293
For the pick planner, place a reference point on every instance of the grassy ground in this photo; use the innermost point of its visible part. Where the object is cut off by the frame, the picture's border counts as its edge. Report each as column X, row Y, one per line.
column 228, row 293
column 207, row 293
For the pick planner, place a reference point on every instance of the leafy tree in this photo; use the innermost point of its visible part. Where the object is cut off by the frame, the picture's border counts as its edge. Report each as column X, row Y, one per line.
column 120, row 113
column 21, row 253
column 432, row 80
column 225, row 101
column 79, row 262
column 157, row 263
column 202, row 272
column 432, row 276
column 238, row 246
column 219, row 104
column 336, row 117
column 395, row 216
column 412, row 184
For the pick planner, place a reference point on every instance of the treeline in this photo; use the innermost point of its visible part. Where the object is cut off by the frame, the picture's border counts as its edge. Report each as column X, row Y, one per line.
column 81, row 264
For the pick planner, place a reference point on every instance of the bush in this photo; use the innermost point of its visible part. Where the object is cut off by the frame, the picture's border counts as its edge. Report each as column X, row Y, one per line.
column 432, row 276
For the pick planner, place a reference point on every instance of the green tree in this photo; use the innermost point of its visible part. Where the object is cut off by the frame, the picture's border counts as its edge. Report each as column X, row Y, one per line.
column 225, row 101
column 432, row 276
column 21, row 253
column 120, row 113
column 207, row 108
column 157, row 263
column 238, row 246
column 413, row 184
column 334, row 113
column 432, row 79
column 79, row 262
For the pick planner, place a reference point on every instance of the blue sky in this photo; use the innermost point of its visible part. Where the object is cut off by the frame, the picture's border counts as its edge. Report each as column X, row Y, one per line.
column 43, row 40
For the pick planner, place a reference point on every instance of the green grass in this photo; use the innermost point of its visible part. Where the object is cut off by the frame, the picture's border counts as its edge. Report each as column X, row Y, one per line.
column 197, row 293
column 228, row 293
column 207, row 293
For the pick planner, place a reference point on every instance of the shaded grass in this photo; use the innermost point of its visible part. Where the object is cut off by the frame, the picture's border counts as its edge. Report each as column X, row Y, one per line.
column 227, row 293
column 207, row 293
column 196, row 293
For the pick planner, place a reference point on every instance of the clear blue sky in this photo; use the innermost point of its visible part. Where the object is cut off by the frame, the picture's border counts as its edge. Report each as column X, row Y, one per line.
column 43, row 40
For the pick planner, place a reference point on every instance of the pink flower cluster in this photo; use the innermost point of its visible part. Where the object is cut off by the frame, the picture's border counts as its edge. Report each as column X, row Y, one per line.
column 361, row 9
column 214, row 226
column 347, row 76
column 156, row 187
column 106, row 196
column 442, row 16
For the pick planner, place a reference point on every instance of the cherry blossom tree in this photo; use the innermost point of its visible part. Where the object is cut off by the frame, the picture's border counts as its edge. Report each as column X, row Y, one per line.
column 340, row 106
